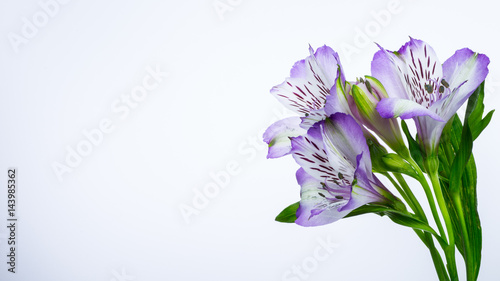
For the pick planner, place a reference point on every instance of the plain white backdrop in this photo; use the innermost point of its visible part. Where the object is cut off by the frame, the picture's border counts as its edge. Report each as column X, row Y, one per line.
column 179, row 91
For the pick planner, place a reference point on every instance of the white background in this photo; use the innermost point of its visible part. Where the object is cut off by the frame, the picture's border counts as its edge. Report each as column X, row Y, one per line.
column 117, row 216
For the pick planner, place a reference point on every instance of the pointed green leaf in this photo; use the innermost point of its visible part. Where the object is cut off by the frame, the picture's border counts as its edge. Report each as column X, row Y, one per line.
column 459, row 180
column 288, row 215
column 366, row 209
column 473, row 223
column 461, row 158
column 410, row 221
column 477, row 106
column 476, row 121
column 415, row 151
column 481, row 125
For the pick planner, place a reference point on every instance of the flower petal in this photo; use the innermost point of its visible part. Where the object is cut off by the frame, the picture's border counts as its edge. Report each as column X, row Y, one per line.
column 309, row 152
column 339, row 100
column 310, row 81
column 362, row 191
column 312, row 118
column 329, row 61
column 278, row 135
column 344, row 140
column 429, row 133
column 386, row 67
column 464, row 72
column 396, row 107
column 418, row 69
column 319, row 204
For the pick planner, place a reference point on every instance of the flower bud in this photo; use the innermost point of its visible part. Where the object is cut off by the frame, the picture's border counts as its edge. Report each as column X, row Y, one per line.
column 395, row 163
column 366, row 94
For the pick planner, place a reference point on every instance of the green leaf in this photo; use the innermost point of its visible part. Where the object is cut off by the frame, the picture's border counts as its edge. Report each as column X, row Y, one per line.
column 481, row 125
column 449, row 145
column 400, row 217
column 408, row 220
column 415, row 151
column 288, row 215
column 446, row 150
column 366, row 209
column 456, row 132
column 473, row 223
column 467, row 196
column 461, row 158
column 459, row 179
column 476, row 121
column 477, row 106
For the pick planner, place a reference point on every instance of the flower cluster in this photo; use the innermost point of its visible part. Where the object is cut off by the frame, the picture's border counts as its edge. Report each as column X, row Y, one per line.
column 335, row 136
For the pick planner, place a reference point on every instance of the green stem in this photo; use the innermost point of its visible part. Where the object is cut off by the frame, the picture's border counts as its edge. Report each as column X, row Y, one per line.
column 402, row 192
column 419, row 211
column 426, row 237
column 436, row 258
column 428, row 194
column 450, row 249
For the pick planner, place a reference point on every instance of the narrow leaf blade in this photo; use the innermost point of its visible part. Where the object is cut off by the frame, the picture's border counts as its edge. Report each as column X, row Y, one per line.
column 288, row 215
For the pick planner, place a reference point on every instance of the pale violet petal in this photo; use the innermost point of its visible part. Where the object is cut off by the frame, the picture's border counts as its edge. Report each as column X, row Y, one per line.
column 319, row 204
column 362, row 191
column 339, row 100
column 429, row 132
column 403, row 108
column 312, row 118
column 464, row 72
column 387, row 68
column 278, row 135
column 343, row 140
column 309, row 153
column 310, row 81
column 414, row 72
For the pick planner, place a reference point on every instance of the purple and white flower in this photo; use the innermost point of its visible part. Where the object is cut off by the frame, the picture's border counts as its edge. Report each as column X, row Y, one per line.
column 336, row 171
column 305, row 93
column 419, row 87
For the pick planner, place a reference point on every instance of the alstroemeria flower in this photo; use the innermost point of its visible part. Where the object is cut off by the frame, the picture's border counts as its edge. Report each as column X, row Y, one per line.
column 336, row 171
column 420, row 88
column 304, row 92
